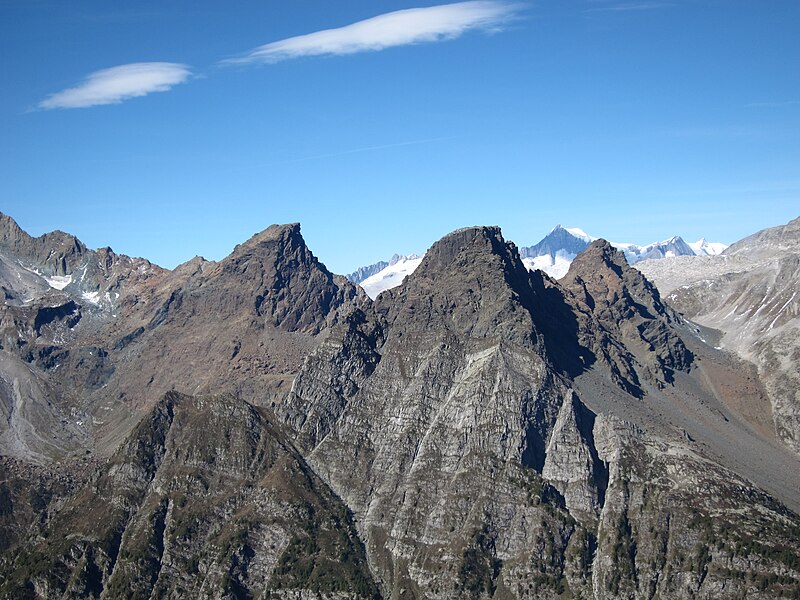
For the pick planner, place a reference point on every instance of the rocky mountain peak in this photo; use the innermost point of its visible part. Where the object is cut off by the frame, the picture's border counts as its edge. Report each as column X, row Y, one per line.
column 599, row 252
column 280, row 234
column 276, row 274
column 471, row 282
column 9, row 230
column 55, row 253
column 466, row 240
column 604, row 274
column 475, row 250
column 629, row 307
column 279, row 250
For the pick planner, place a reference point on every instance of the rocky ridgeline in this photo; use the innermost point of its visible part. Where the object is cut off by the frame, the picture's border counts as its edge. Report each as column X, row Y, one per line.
column 480, row 431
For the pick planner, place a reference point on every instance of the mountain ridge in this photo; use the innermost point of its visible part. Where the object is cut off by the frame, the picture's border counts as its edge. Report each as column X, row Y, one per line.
column 258, row 425
column 553, row 254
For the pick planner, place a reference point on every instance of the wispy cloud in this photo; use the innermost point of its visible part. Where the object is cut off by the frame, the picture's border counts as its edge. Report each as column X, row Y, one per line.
column 629, row 6
column 112, row 86
column 400, row 28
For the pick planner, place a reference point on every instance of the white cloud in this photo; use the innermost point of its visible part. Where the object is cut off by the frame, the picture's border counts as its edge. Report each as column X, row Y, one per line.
column 112, row 86
column 400, row 28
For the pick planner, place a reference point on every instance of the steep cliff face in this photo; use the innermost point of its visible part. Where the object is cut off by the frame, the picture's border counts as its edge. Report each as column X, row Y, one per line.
column 56, row 253
column 55, row 262
column 475, row 469
column 206, row 499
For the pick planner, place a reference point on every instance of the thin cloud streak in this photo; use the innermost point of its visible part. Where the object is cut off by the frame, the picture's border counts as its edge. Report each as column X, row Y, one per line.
column 399, row 28
column 116, row 84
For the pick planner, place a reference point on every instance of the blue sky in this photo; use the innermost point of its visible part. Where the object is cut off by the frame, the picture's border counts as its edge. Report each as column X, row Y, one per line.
column 167, row 130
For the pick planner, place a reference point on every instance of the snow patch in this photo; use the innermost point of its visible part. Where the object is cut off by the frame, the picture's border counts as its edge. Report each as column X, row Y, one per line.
column 59, row 282
column 391, row 276
column 92, row 297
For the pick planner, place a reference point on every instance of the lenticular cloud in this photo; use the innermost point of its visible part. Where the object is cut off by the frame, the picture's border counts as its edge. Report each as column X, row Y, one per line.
column 403, row 27
column 113, row 85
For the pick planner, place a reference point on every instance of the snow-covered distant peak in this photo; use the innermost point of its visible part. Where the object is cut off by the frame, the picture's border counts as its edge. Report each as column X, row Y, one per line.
column 402, row 257
column 674, row 246
column 580, row 234
column 391, row 276
column 702, row 247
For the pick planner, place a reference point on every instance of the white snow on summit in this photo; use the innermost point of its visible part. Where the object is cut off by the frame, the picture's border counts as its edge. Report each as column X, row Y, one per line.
column 704, row 248
column 580, row 234
column 391, row 276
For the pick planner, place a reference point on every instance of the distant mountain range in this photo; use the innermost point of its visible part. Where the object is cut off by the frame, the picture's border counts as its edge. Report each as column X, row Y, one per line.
column 553, row 255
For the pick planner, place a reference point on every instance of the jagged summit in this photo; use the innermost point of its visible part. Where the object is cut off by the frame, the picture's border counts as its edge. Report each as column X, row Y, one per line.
column 9, row 227
column 281, row 246
column 55, row 253
column 598, row 252
column 629, row 308
column 604, row 271
column 466, row 241
column 286, row 233
column 274, row 276
column 472, row 282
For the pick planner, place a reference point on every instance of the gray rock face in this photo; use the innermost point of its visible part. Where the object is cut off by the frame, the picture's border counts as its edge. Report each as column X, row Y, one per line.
column 629, row 308
column 475, row 469
column 57, row 253
column 750, row 294
column 94, row 277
